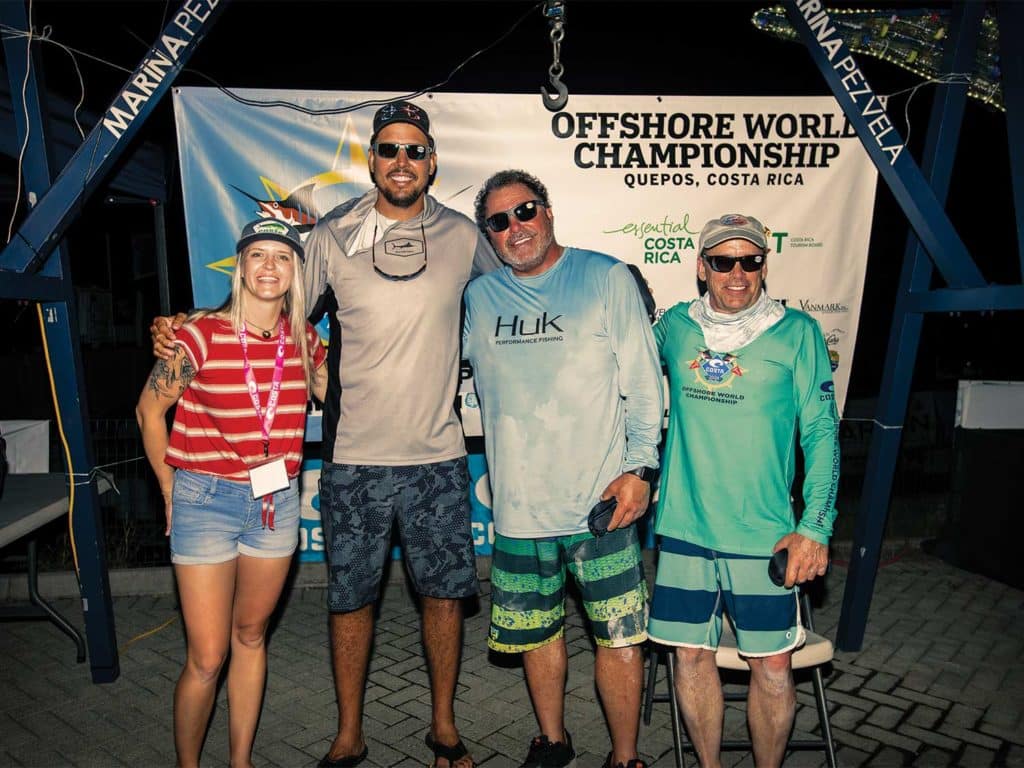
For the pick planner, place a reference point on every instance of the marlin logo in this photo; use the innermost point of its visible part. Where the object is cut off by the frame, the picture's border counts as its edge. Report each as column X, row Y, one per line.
column 403, row 247
column 297, row 208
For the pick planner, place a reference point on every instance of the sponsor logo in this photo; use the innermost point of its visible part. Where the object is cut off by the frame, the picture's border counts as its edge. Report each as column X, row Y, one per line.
column 833, row 337
column 798, row 241
column 828, row 386
column 782, row 240
column 528, row 330
column 715, row 370
column 823, row 307
column 662, row 240
column 665, row 250
column 827, row 390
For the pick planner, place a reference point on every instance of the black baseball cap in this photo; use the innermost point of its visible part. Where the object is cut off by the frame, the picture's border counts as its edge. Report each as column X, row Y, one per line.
column 271, row 229
column 401, row 112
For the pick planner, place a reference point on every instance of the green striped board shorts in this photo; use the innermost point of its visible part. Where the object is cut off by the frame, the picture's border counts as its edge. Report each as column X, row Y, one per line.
column 693, row 585
column 528, row 589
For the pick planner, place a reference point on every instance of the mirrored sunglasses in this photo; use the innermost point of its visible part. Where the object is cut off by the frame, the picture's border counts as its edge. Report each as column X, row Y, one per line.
column 389, row 150
column 499, row 222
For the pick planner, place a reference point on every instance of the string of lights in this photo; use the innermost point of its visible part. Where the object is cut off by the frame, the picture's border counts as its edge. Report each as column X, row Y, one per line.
column 911, row 39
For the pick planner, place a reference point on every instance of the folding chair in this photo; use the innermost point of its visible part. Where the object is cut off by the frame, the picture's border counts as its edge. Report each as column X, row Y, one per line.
column 813, row 655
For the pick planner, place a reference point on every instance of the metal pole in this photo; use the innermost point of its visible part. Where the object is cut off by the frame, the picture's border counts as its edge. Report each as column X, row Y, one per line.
column 62, row 340
column 160, row 238
column 939, row 154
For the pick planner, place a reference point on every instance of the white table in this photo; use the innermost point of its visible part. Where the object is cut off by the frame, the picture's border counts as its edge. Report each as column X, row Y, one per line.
column 29, row 502
column 28, row 445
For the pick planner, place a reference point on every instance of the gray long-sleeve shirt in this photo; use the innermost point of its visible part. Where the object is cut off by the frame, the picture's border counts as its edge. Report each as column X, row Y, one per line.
column 392, row 388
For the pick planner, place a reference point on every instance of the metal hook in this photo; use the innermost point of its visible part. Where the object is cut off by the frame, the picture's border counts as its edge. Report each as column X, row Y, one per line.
column 555, row 101
column 557, row 95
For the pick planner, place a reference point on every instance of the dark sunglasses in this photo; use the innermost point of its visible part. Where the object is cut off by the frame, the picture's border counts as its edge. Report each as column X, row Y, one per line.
column 389, row 150
column 724, row 264
column 498, row 222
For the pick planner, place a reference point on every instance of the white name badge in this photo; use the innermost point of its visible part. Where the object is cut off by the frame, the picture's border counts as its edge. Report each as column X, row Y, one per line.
column 268, row 477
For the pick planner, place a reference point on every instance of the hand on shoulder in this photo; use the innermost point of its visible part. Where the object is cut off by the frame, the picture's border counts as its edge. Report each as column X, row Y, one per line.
column 161, row 332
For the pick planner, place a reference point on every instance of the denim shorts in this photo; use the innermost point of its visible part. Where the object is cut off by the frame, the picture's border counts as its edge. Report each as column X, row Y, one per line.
column 215, row 520
column 359, row 505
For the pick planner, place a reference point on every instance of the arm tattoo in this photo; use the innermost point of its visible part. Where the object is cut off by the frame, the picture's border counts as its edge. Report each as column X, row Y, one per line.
column 171, row 378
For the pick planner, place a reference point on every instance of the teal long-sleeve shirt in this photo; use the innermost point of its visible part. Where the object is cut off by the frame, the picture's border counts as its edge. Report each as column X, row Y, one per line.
column 730, row 452
column 570, row 388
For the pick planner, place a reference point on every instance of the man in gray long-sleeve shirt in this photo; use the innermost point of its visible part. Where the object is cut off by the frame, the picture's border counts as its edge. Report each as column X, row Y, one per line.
column 396, row 262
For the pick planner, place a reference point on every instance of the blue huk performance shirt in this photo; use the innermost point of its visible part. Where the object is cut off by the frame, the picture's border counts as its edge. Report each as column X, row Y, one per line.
column 570, row 388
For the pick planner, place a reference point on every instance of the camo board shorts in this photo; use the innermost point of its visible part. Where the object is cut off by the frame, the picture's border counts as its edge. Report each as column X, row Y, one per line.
column 360, row 503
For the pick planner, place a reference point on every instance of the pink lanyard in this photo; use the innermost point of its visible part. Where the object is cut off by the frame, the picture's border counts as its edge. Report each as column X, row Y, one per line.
column 266, row 419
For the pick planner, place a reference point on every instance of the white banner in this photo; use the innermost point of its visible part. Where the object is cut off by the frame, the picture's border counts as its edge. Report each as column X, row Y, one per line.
column 632, row 176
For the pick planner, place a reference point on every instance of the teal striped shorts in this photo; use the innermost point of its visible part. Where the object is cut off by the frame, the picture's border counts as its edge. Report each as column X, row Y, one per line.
column 528, row 578
column 692, row 587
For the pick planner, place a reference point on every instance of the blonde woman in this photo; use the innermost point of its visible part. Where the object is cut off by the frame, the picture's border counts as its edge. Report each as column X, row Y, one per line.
column 228, row 472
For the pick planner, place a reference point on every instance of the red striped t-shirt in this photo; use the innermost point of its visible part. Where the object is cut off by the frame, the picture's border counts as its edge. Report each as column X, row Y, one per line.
column 216, row 429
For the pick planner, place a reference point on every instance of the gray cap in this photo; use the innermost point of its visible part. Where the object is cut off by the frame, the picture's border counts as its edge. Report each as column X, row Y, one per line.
column 271, row 229
column 731, row 226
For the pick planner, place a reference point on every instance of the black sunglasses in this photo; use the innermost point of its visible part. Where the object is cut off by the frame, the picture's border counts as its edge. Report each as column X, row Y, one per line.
column 498, row 222
column 724, row 264
column 389, row 150
column 391, row 275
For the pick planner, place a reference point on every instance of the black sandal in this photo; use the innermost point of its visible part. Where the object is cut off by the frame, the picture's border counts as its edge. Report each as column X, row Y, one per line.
column 452, row 754
column 345, row 761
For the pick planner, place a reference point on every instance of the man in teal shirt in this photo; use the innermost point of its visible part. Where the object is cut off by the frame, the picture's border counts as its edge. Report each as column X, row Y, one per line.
column 570, row 391
column 746, row 376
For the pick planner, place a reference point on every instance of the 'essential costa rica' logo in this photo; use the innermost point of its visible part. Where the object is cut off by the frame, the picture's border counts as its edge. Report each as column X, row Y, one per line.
column 715, row 370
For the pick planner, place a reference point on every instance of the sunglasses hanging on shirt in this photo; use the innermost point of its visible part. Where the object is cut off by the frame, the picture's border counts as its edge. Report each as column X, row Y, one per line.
column 394, row 260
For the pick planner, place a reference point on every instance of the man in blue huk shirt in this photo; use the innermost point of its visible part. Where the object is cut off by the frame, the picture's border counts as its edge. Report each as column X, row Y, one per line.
column 570, row 389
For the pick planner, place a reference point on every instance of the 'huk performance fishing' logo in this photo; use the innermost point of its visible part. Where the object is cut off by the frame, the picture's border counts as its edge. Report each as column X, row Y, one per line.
column 715, row 370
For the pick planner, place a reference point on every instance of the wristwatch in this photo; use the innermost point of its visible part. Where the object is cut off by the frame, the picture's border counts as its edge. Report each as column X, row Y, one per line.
column 647, row 474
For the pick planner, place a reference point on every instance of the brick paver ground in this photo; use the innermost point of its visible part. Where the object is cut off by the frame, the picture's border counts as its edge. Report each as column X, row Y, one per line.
column 938, row 682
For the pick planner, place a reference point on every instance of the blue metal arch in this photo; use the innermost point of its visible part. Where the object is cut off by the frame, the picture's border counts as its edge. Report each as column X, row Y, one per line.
column 34, row 265
column 921, row 193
